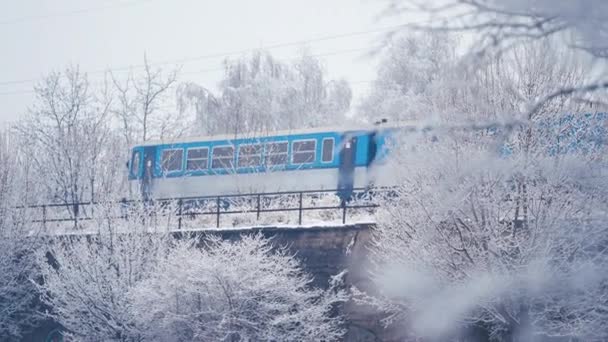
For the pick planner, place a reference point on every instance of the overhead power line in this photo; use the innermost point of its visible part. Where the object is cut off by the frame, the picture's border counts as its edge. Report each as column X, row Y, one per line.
column 332, row 53
column 230, row 53
column 274, row 46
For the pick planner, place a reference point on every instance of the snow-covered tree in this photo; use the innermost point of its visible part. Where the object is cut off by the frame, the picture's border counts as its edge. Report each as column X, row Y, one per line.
column 245, row 290
column 64, row 137
column 407, row 75
column 260, row 93
column 75, row 150
column 87, row 278
column 422, row 77
column 130, row 280
column 18, row 302
column 145, row 107
column 502, row 227
column 512, row 242
column 497, row 26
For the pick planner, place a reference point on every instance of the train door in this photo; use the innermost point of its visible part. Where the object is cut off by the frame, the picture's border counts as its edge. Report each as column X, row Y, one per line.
column 372, row 148
column 146, row 180
column 346, row 175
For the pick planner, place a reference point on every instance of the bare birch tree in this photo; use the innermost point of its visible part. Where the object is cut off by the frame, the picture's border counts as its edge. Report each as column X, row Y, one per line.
column 145, row 108
column 64, row 136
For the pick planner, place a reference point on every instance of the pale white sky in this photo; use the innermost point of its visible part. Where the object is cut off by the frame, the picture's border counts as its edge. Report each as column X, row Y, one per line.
column 39, row 36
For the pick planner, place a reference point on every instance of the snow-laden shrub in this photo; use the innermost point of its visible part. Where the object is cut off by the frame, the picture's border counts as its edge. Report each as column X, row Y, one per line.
column 87, row 277
column 132, row 280
column 244, row 290
column 512, row 243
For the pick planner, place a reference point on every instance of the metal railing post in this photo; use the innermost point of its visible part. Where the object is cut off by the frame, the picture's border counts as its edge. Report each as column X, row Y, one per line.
column 217, row 204
column 44, row 217
column 122, row 205
column 300, row 210
column 179, row 213
column 75, row 209
column 259, row 207
column 75, row 212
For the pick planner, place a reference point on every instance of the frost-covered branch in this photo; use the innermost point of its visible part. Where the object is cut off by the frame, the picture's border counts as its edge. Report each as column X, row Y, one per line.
column 242, row 290
column 507, row 242
column 18, row 241
column 132, row 279
column 144, row 107
column 497, row 27
column 262, row 94
column 87, row 278
column 64, row 136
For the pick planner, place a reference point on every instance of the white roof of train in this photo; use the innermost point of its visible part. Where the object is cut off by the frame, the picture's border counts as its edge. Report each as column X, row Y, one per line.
column 275, row 133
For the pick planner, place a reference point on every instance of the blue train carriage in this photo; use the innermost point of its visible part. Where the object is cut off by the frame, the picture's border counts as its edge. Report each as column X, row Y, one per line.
column 320, row 159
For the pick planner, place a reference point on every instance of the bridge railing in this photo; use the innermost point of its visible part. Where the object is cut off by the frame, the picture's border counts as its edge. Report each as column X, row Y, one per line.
column 198, row 210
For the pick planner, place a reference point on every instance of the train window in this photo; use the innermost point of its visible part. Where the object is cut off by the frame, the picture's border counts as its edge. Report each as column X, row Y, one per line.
column 303, row 151
column 328, row 150
column 276, row 153
column 250, row 155
column 197, row 159
column 135, row 163
column 172, row 160
column 223, row 157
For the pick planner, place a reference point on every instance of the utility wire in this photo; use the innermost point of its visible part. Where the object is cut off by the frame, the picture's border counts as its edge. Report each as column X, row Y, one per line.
column 333, row 53
column 231, row 53
column 274, row 46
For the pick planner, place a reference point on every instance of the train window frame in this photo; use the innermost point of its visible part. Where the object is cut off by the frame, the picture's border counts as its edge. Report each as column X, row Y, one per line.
column 333, row 148
column 135, row 163
column 197, row 159
column 213, row 157
column 294, row 152
column 268, row 155
column 259, row 155
column 163, row 164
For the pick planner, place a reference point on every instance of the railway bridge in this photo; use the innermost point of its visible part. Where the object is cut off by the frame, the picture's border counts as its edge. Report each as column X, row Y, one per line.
column 328, row 235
